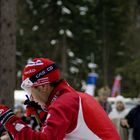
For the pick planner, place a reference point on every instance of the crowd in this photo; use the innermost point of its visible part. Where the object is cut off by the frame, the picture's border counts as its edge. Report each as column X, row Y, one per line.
column 127, row 121
column 55, row 110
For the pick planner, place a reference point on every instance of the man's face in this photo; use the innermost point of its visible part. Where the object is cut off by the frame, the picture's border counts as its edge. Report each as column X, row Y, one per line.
column 120, row 106
column 103, row 97
column 35, row 93
column 40, row 94
column 18, row 114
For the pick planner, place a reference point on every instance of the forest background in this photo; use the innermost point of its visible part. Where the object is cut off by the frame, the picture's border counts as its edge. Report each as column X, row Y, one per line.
column 70, row 32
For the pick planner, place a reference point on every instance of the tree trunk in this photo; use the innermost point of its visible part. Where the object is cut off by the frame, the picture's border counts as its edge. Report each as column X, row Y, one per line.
column 64, row 57
column 7, row 51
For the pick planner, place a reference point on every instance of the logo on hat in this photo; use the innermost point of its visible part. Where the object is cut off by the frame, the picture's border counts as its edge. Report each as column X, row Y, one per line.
column 50, row 68
column 40, row 74
column 31, row 63
column 30, row 71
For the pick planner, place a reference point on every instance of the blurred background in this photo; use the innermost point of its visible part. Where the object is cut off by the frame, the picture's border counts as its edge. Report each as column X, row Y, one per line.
column 82, row 36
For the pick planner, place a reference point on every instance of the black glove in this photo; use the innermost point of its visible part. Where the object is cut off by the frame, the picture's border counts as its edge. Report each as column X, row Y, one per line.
column 33, row 109
column 32, row 104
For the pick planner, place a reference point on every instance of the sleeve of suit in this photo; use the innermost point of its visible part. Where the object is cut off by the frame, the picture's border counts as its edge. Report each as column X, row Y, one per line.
column 58, row 122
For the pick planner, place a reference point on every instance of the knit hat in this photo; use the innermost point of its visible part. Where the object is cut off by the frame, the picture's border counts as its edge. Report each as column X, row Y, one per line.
column 39, row 71
column 120, row 98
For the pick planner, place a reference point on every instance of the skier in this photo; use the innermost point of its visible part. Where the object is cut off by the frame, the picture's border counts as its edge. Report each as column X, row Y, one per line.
column 71, row 115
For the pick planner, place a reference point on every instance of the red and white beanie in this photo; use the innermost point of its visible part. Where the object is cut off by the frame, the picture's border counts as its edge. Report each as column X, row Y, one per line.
column 35, row 66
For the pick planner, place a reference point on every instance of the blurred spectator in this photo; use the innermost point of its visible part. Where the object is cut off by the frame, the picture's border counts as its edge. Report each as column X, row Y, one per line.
column 31, row 121
column 103, row 95
column 132, row 120
column 19, row 112
column 118, row 113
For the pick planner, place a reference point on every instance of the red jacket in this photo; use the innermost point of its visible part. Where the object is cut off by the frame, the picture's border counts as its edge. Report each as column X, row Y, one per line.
column 71, row 116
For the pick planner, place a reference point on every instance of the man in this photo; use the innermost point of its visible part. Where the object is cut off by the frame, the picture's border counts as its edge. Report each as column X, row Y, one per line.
column 103, row 95
column 71, row 115
column 132, row 120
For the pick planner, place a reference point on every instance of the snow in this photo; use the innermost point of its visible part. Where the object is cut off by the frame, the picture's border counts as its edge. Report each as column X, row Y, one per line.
column 61, row 32
column 53, row 42
column 83, row 10
column 59, row 2
column 69, row 33
column 42, row 21
column 74, row 69
column 65, row 10
column 35, row 28
column 70, row 53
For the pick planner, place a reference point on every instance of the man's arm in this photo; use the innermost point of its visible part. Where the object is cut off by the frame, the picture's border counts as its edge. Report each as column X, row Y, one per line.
column 57, row 124
column 128, row 121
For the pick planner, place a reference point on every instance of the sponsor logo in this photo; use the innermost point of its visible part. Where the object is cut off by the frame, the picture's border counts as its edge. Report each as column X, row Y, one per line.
column 40, row 74
column 31, row 63
column 19, row 126
column 30, row 71
column 50, row 68
column 54, row 98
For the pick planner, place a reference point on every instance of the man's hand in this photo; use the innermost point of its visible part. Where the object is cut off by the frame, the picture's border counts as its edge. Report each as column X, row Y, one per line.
column 35, row 110
column 5, row 114
column 31, row 108
column 124, row 123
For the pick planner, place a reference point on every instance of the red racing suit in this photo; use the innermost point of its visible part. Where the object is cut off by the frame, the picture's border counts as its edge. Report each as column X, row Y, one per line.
column 71, row 116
